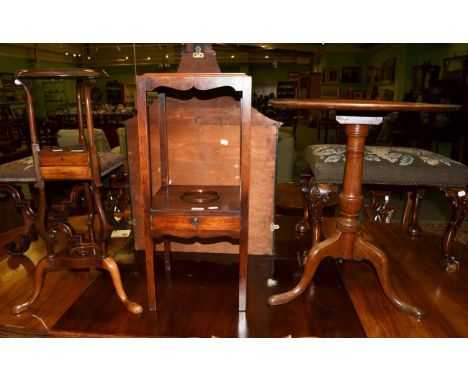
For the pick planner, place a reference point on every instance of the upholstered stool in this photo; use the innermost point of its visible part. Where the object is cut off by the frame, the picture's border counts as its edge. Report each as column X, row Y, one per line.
column 386, row 166
column 21, row 172
column 70, row 137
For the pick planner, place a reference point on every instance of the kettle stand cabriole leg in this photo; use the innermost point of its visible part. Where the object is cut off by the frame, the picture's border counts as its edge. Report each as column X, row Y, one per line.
column 347, row 242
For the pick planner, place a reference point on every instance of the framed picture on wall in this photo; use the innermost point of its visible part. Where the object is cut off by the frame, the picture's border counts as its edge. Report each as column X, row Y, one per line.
column 329, row 92
column 454, row 67
column 332, row 75
column 389, row 74
column 350, row 74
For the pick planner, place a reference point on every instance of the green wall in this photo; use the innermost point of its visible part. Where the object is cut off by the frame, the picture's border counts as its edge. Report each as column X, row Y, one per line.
column 407, row 55
column 13, row 64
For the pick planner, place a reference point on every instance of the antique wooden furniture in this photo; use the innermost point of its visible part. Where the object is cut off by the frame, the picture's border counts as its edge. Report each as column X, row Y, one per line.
column 75, row 164
column 193, row 209
column 403, row 168
column 347, row 242
column 210, row 117
column 20, row 173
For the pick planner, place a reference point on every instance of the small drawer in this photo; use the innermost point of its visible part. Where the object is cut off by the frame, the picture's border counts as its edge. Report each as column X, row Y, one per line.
column 195, row 223
column 63, row 158
column 65, row 172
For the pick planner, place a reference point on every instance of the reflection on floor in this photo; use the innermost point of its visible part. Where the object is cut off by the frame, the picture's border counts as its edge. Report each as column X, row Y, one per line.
column 198, row 298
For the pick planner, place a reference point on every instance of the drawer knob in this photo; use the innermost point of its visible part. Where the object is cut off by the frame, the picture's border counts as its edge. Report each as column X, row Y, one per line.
column 195, row 221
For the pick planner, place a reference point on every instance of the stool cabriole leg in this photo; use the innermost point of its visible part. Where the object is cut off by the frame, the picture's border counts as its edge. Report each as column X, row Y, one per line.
column 459, row 200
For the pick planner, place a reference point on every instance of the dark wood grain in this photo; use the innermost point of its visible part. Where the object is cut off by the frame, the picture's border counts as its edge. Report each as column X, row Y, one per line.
column 418, row 277
column 362, row 105
column 60, row 291
column 61, row 73
column 198, row 297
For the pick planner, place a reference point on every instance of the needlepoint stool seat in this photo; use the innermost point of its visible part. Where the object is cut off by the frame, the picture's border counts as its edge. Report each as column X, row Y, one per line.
column 388, row 166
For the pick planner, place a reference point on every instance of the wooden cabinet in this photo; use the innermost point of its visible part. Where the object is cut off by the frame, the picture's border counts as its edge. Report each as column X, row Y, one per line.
column 429, row 131
column 455, row 91
column 309, row 86
column 286, row 89
column 455, row 68
column 115, row 92
column 424, row 78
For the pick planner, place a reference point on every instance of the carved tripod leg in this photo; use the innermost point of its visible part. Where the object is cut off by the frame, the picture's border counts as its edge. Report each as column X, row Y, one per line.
column 459, row 199
column 37, row 286
column 317, row 253
column 110, row 265
column 303, row 226
column 13, row 248
column 115, row 200
column 15, row 193
column 367, row 251
column 316, row 198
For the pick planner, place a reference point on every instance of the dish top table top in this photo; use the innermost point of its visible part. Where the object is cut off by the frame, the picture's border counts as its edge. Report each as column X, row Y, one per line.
column 361, row 105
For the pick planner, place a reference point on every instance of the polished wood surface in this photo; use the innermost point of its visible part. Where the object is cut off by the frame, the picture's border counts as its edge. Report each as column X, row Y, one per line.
column 60, row 291
column 169, row 199
column 417, row 276
column 83, row 304
column 61, row 73
column 362, row 105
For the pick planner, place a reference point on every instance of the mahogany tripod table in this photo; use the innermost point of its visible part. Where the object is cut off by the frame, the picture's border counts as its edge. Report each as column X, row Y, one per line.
column 347, row 242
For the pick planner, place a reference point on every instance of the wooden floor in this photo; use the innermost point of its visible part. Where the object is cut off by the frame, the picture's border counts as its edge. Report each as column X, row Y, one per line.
column 198, row 298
